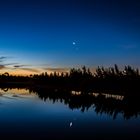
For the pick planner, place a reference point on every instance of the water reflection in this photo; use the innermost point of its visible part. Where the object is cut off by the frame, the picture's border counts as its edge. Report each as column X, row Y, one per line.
column 109, row 104
column 117, row 97
column 15, row 92
column 63, row 114
column 101, row 103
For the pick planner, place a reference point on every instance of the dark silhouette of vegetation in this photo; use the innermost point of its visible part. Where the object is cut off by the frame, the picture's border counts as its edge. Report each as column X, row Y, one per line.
column 111, row 80
column 76, row 88
column 82, row 79
column 128, row 106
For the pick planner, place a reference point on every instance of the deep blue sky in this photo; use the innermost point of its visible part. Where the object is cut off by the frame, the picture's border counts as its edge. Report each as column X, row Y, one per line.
column 40, row 33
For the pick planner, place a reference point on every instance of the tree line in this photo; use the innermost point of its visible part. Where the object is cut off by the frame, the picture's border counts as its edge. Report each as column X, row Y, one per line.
column 82, row 79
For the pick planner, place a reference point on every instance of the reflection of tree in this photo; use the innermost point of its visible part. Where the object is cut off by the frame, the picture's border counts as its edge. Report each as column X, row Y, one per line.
column 128, row 107
column 5, row 89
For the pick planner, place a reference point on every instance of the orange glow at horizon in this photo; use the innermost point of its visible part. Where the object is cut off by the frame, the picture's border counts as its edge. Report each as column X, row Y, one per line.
column 22, row 72
column 19, row 72
column 32, row 71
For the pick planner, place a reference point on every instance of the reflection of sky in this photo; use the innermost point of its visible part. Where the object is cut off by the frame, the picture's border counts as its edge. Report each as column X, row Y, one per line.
column 15, row 91
column 40, row 33
column 22, row 116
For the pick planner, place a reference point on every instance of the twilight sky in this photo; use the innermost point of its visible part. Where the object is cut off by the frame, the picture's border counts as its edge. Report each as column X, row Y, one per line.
column 48, row 35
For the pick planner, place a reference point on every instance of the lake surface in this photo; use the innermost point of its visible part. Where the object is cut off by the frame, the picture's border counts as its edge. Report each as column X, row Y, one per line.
column 24, row 115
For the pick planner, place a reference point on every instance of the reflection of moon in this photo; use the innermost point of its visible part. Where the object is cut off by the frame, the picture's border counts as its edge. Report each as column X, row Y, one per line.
column 70, row 124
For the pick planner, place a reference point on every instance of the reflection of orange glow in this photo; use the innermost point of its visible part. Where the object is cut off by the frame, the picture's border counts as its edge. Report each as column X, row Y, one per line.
column 23, row 93
column 17, row 91
column 117, row 97
column 76, row 92
column 95, row 94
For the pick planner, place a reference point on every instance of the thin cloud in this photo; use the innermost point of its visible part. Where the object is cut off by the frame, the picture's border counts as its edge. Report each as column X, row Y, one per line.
column 128, row 46
column 16, row 66
column 5, row 66
column 30, row 70
column 57, row 69
column 19, row 66
column 8, row 64
column 2, row 67
column 2, row 58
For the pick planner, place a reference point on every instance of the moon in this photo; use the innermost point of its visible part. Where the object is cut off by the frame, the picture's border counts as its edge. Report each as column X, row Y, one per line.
column 74, row 43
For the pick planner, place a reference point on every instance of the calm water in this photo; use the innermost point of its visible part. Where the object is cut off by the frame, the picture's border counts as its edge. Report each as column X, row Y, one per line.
column 25, row 115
